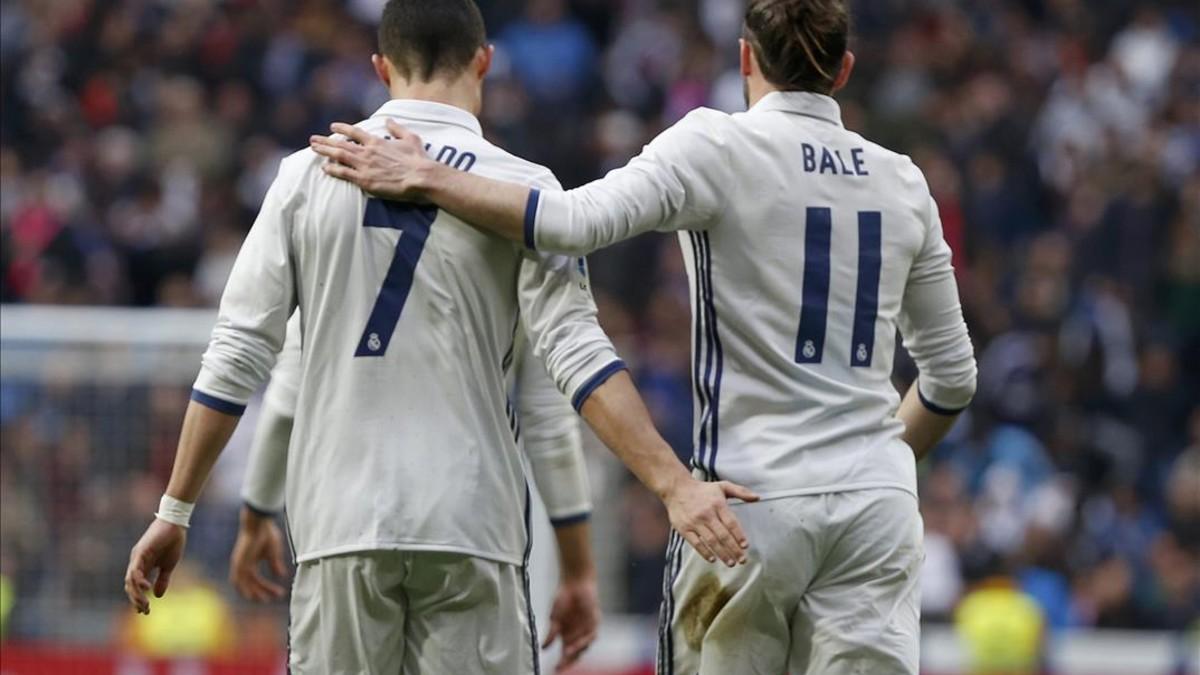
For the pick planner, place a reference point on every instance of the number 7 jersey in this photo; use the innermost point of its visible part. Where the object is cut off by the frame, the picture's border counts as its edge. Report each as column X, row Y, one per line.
column 807, row 248
column 403, row 436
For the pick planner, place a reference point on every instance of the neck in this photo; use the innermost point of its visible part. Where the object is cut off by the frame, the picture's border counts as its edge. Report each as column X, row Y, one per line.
column 756, row 88
column 462, row 92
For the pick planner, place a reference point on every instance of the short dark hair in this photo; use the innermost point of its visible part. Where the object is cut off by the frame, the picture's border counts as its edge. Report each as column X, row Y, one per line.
column 423, row 38
column 799, row 44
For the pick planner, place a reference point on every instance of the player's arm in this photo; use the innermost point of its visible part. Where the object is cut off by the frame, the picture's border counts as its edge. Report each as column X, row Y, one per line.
column 259, row 538
column 251, row 322
column 679, row 181
column 565, row 334
column 551, row 440
column 935, row 334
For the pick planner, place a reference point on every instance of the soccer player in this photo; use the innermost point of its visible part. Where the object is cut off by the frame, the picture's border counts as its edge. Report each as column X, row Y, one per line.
column 405, row 491
column 549, row 435
column 807, row 247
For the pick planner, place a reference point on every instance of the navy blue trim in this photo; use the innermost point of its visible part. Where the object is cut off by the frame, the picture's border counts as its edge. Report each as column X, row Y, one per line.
column 937, row 409
column 715, row 407
column 666, row 616
column 810, row 338
column 261, row 513
column 531, row 207
column 582, row 394
column 571, row 520
column 698, row 349
column 220, row 405
column 866, row 303
column 533, row 633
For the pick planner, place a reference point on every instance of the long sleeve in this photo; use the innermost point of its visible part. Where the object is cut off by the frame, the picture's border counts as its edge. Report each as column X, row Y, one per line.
column 266, row 471
column 931, row 323
column 678, row 182
column 259, row 297
column 562, row 326
column 551, row 439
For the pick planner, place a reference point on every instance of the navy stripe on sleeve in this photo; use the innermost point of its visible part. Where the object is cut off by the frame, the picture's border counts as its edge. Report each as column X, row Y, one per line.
column 937, row 409
column 531, row 207
column 220, row 405
column 595, row 381
column 571, row 520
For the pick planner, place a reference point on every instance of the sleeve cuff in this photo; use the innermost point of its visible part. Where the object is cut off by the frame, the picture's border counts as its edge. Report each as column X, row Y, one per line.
column 567, row 521
column 531, row 210
column 937, row 409
column 594, row 382
column 220, row 405
column 260, row 512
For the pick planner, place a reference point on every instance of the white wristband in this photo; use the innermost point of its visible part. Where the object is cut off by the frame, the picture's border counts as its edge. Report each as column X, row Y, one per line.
column 174, row 511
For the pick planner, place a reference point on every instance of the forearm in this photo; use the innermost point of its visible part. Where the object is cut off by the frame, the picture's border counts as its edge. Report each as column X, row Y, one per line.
column 575, row 551
column 923, row 428
column 204, row 435
column 620, row 419
column 491, row 205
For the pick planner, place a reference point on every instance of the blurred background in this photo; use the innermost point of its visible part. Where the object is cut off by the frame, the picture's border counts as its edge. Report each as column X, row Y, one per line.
column 1061, row 140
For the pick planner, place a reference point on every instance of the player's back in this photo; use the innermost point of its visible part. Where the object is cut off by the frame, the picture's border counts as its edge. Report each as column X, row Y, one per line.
column 408, row 323
column 799, row 287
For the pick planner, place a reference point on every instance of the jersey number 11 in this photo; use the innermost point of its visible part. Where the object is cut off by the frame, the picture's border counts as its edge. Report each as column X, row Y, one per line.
column 810, row 341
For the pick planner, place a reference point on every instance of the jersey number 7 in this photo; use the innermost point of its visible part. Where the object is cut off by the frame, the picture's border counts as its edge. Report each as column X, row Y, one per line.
column 810, row 341
column 414, row 222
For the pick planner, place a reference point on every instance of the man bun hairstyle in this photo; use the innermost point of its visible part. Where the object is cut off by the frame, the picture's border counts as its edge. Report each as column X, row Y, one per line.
column 424, row 38
column 799, row 44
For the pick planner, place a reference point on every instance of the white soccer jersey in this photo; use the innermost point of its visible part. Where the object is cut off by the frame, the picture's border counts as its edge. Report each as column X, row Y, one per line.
column 401, row 438
column 547, row 430
column 807, row 246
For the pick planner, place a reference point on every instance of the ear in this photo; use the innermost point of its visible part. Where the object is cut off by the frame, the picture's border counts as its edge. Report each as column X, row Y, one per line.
column 843, row 75
column 483, row 60
column 745, row 57
column 382, row 71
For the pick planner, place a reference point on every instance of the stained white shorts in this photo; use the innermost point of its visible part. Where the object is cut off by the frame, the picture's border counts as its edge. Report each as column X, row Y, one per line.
column 410, row 612
column 830, row 588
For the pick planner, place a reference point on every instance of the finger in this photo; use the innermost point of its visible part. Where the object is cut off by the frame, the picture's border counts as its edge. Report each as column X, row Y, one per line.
column 278, row 566
column 136, row 587
column 340, row 154
column 732, row 551
column 399, row 132
column 555, row 629
column 697, row 541
column 573, row 651
column 719, row 541
column 343, row 172
column 273, row 590
column 731, row 524
column 737, row 491
column 352, row 132
column 334, row 147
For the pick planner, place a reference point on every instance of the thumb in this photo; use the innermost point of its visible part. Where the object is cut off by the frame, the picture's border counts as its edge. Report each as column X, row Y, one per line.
column 737, row 491
column 555, row 629
column 163, row 580
column 278, row 567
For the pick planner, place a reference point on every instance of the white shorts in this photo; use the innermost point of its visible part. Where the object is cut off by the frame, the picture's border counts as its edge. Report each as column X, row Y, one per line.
column 410, row 612
column 830, row 588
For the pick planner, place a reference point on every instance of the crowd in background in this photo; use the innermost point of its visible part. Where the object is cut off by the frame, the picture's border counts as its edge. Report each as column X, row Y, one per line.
column 1061, row 141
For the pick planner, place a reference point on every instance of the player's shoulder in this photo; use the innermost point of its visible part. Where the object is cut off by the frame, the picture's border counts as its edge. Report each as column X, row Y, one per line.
column 898, row 164
column 504, row 165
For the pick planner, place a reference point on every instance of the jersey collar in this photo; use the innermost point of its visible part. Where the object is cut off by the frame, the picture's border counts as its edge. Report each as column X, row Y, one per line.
column 429, row 111
column 801, row 103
